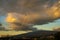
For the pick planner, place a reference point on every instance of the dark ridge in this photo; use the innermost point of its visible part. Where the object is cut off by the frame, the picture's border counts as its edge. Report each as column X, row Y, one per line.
column 41, row 34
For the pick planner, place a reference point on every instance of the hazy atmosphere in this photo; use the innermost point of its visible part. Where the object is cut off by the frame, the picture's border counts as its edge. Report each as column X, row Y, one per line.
column 29, row 14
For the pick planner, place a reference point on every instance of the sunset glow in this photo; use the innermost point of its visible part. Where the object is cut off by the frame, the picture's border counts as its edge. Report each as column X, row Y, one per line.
column 10, row 18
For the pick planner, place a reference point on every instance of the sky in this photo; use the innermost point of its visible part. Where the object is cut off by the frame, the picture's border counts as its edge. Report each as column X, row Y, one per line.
column 30, row 14
column 3, row 22
column 50, row 26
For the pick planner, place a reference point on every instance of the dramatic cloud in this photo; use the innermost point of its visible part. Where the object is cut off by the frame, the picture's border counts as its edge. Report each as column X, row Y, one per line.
column 23, row 14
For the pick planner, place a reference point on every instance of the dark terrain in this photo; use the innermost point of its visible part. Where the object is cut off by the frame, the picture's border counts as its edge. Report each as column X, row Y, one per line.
column 36, row 35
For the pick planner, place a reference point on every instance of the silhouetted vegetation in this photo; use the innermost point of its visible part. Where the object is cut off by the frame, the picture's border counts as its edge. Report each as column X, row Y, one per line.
column 57, row 36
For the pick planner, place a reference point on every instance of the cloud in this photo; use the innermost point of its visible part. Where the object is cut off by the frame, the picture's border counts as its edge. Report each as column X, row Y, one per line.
column 27, row 13
column 1, row 28
column 23, row 5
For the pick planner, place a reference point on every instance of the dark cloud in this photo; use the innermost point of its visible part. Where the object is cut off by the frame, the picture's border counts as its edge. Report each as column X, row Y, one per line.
column 1, row 28
column 24, row 27
column 24, row 5
column 36, row 12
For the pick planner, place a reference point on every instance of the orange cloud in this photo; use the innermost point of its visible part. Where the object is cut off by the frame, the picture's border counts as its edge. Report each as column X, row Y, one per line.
column 29, row 18
column 41, row 16
column 10, row 18
column 54, row 11
column 23, row 19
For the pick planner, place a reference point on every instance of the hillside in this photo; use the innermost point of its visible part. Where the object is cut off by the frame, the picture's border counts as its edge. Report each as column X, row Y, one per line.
column 41, row 34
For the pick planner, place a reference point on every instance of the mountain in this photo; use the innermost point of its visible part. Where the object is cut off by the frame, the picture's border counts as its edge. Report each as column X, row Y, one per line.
column 30, row 35
column 36, row 34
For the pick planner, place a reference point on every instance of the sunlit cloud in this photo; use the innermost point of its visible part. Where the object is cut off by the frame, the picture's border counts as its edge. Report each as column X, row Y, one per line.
column 10, row 18
column 23, row 14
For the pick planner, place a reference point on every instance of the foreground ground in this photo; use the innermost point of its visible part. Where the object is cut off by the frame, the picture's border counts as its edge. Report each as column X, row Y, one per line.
column 37, row 35
column 11, row 33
